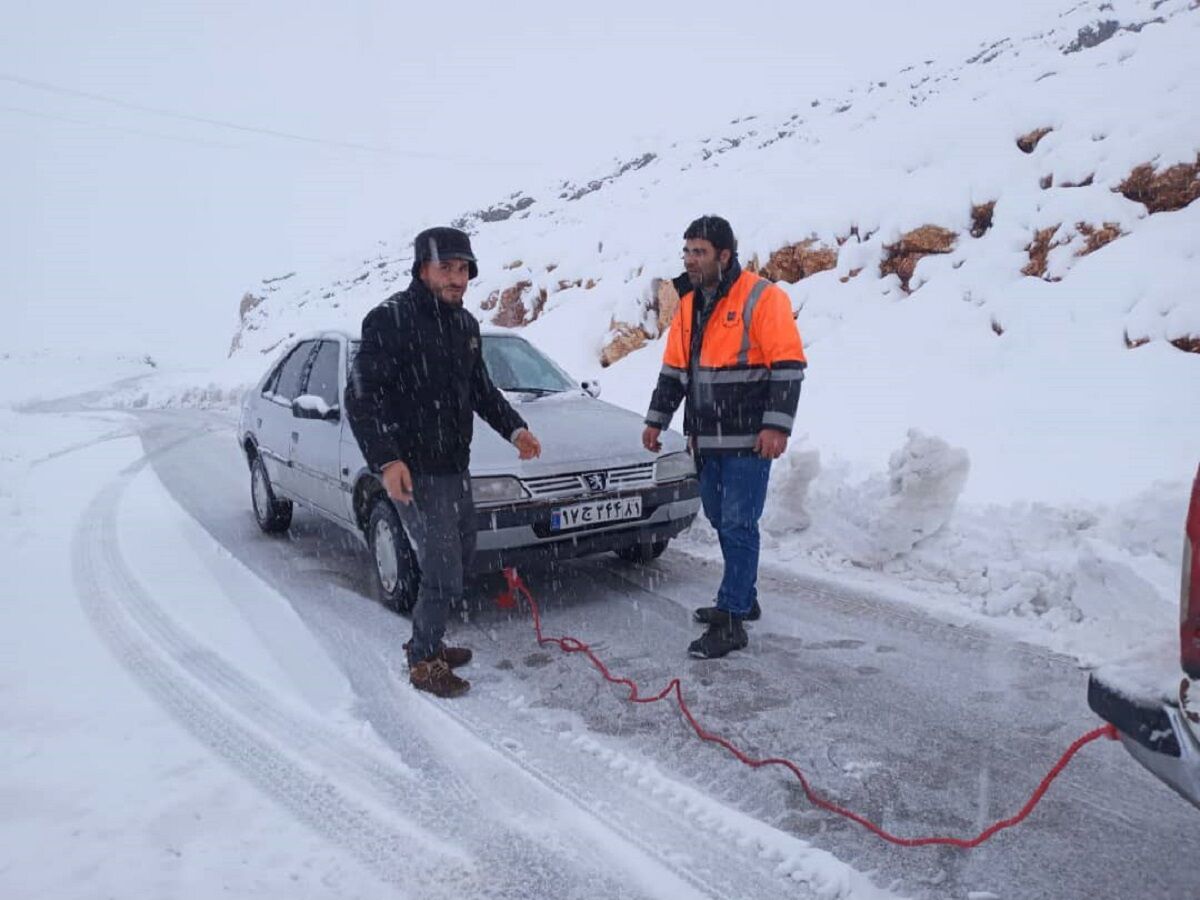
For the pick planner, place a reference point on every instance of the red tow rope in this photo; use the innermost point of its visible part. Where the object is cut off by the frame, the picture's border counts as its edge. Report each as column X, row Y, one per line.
column 516, row 586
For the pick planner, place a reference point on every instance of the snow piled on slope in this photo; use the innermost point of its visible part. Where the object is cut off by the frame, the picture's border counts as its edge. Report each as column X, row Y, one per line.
column 988, row 440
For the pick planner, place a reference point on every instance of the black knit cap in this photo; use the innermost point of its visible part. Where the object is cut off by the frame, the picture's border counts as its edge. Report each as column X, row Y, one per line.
column 713, row 229
column 436, row 244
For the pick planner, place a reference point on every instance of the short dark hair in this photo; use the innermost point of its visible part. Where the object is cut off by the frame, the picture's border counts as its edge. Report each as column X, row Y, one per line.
column 713, row 229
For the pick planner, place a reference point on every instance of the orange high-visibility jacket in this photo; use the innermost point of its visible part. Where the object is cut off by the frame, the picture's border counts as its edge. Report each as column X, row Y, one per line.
column 741, row 375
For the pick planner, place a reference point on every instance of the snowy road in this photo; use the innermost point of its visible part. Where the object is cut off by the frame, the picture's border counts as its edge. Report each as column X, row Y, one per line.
column 557, row 787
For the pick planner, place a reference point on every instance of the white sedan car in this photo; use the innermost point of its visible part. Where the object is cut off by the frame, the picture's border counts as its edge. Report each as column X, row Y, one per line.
column 594, row 489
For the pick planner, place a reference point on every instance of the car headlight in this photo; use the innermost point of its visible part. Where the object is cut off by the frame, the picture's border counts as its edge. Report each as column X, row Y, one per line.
column 674, row 467
column 497, row 490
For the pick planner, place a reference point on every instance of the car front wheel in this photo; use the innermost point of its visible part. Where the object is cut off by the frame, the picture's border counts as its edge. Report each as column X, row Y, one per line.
column 397, row 576
column 273, row 515
column 642, row 553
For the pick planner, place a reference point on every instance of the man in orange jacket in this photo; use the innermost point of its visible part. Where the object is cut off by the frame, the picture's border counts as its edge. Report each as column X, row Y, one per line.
column 734, row 358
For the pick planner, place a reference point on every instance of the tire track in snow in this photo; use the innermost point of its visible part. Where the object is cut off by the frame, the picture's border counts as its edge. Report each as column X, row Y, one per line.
column 381, row 842
column 312, row 787
column 710, row 847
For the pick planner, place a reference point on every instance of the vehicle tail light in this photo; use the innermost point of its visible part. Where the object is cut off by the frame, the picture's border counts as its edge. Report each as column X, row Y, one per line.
column 1189, row 598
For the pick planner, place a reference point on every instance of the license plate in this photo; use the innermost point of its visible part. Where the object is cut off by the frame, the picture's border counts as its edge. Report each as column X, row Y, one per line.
column 598, row 513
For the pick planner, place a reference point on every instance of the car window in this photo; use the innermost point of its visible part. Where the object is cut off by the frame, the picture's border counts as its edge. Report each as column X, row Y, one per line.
column 516, row 365
column 273, row 379
column 287, row 387
column 323, row 374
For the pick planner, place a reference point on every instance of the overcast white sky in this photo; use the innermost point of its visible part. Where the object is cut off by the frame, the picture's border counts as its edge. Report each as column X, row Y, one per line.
column 146, row 229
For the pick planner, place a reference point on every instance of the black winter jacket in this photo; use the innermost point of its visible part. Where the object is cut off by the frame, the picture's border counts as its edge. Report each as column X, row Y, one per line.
column 416, row 383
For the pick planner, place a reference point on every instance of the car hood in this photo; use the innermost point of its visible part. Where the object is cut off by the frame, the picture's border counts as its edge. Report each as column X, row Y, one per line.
column 577, row 432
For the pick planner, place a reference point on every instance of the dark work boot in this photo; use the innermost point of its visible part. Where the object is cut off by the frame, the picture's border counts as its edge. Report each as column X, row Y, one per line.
column 705, row 614
column 434, row 676
column 723, row 635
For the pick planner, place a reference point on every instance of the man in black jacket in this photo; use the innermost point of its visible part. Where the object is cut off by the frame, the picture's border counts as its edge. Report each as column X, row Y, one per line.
column 417, row 382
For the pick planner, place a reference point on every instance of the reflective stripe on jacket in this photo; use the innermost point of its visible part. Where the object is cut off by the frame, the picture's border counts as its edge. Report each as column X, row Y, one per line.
column 746, row 374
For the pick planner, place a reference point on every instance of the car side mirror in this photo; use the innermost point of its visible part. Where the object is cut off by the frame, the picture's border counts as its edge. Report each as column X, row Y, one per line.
column 591, row 388
column 309, row 407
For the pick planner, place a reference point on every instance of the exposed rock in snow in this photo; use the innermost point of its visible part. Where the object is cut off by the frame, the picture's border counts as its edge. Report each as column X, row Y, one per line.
column 796, row 261
column 902, row 257
column 623, row 340
column 1173, row 188
column 1028, row 142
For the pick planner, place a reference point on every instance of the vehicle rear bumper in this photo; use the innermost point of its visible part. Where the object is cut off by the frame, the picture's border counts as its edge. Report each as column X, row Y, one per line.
column 520, row 535
column 1155, row 734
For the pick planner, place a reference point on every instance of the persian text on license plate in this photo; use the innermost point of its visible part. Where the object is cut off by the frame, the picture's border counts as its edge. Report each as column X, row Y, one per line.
column 599, row 512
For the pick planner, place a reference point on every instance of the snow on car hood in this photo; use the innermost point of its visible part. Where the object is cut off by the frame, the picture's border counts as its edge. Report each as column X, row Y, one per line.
column 577, row 432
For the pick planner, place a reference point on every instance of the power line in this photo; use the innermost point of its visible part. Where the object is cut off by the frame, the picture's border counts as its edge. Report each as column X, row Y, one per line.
column 250, row 129
column 153, row 134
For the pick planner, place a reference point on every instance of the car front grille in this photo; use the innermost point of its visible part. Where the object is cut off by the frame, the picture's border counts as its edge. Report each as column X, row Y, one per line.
column 626, row 478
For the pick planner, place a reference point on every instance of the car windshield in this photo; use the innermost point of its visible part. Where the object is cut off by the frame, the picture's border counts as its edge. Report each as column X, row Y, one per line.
column 515, row 365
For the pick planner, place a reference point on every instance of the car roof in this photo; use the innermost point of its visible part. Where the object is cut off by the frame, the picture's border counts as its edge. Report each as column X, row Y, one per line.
column 343, row 334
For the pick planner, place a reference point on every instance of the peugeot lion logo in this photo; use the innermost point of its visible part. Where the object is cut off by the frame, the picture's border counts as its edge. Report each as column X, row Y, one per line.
column 596, row 481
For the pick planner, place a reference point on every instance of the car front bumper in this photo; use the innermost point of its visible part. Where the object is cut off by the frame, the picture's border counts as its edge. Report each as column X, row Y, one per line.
column 520, row 534
column 1155, row 734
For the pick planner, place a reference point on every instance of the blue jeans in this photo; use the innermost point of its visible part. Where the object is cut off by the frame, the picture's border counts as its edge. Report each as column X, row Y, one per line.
column 733, row 490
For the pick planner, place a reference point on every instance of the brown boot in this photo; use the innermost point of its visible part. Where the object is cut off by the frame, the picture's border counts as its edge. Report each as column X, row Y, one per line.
column 453, row 656
column 434, row 676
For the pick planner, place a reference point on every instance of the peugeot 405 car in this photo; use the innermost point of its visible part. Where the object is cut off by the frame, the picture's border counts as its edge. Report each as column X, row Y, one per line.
column 1161, row 728
column 594, row 489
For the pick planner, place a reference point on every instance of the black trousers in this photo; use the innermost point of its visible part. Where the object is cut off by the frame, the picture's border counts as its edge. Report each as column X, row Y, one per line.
column 440, row 522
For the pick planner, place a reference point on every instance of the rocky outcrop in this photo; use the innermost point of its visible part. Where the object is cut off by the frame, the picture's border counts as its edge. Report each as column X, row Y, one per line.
column 1047, row 239
column 510, row 305
column 1039, row 252
column 497, row 212
column 623, row 339
column 1188, row 343
column 568, row 283
column 981, row 218
column 1096, row 236
column 249, row 302
column 797, row 261
column 1028, row 142
column 664, row 302
column 902, row 257
column 1171, row 189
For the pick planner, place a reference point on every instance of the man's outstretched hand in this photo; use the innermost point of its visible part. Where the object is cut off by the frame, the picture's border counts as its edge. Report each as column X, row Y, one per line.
column 527, row 445
column 650, row 439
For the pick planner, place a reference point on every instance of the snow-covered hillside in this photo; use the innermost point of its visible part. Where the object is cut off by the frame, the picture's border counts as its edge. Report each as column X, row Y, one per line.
column 993, row 264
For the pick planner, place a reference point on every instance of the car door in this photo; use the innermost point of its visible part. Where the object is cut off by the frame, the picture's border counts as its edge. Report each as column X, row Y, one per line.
column 273, row 424
column 316, row 431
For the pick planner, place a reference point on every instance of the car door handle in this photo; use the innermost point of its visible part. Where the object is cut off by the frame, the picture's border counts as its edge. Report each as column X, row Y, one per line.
column 295, row 437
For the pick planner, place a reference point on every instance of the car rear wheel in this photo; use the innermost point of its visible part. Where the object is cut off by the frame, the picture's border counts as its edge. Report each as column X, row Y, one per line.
column 273, row 515
column 397, row 576
column 643, row 553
